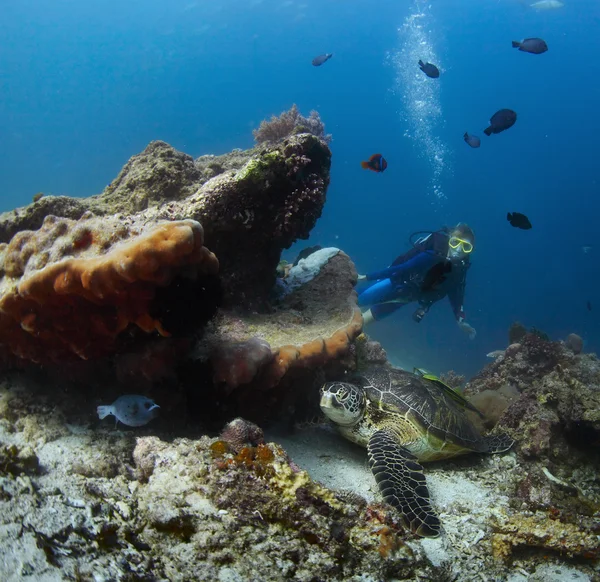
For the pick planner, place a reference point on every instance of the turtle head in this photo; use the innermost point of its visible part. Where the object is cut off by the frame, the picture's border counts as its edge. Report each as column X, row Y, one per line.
column 342, row 402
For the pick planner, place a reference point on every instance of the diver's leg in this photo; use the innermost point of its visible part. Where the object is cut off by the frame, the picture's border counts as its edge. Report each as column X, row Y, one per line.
column 367, row 317
column 381, row 310
column 384, row 298
column 379, row 292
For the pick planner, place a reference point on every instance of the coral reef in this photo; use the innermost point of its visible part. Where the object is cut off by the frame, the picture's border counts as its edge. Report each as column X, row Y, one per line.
column 74, row 506
column 71, row 287
column 240, row 433
column 251, row 204
column 548, row 399
column 289, row 122
column 575, row 343
column 314, row 323
column 558, row 397
column 127, row 273
column 368, row 352
column 157, row 175
column 236, row 363
column 537, row 531
column 516, row 332
column 186, row 510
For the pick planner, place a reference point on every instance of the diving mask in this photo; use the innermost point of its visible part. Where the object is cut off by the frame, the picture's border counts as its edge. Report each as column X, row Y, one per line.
column 455, row 242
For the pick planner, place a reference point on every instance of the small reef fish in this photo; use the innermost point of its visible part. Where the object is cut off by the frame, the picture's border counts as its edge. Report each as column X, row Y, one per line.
column 518, row 220
column 535, row 46
column 430, row 70
column 496, row 354
column 586, row 249
column 131, row 409
column 318, row 61
column 472, row 140
column 376, row 163
column 501, row 120
column 547, row 5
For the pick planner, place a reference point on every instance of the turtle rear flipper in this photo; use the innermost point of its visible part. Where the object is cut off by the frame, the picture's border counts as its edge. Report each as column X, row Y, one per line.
column 402, row 483
column 498, row 443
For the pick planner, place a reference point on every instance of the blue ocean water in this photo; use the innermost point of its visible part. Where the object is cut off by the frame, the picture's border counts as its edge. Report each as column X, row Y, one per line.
column 87, row 85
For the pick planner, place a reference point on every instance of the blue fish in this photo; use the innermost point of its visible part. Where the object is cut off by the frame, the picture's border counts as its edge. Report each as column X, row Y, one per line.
column 318, row 61
column 131, row 409
column 535, row 46
column 429, row 69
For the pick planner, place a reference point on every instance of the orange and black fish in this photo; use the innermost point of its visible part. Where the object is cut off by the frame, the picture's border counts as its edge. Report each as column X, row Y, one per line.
column 376, row 163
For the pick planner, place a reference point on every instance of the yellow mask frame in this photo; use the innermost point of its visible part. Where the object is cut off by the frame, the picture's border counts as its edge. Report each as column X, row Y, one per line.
column 454, row 242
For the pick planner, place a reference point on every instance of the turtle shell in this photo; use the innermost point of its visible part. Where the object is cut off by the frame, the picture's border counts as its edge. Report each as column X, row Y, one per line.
column 392, row 391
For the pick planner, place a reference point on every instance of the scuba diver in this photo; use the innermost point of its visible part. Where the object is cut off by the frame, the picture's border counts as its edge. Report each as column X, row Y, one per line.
column 436, row 266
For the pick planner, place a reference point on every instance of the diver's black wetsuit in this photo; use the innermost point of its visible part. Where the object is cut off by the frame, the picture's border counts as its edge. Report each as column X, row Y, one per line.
column 402, row 282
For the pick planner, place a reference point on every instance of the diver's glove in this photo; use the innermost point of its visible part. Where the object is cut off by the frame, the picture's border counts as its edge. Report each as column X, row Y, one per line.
column 361, row 277
column 470, row 331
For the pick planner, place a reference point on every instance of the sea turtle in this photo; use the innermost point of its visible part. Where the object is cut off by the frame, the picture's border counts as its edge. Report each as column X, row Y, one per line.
column 403, row 418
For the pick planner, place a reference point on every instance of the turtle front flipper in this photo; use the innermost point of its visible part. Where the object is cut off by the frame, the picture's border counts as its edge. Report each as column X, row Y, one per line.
column 402, row 483
column 498, row 443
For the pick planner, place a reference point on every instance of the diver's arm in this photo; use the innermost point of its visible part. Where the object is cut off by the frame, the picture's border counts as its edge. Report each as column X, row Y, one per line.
column 456, row 296
column 420, row 261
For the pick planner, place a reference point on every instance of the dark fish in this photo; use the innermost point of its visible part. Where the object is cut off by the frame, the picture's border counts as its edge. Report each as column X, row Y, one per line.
column 535, row 46
column 429, row 69
column 307, row 252
column 518, row 220
column 500, row 121
column 589, row 305
column 376, row 163
column 318, row 61
column 436, row 275
column 472, row 140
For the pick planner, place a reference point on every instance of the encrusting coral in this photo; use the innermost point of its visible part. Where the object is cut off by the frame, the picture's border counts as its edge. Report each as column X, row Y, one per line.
column 315, row 323
column 239, row 433
column 71, row 287
column 238, row 363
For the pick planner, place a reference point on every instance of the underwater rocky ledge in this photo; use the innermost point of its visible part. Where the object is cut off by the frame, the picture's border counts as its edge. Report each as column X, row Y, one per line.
column 168, row 284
